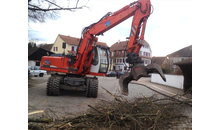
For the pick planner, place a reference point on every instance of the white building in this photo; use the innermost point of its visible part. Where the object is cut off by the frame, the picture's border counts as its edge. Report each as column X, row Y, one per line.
column 118, row 55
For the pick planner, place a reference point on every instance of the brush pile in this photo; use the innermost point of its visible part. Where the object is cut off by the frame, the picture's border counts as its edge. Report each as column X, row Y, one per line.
column 146, row 113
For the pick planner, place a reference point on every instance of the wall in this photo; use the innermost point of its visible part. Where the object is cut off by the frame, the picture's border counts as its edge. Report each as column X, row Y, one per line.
column 171, row 80
column 59, row 43
column 31, row 63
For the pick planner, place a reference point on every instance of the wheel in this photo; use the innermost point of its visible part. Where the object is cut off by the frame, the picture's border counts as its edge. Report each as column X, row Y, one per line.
column 92, row 87
column 56, row 87
column 53, row 84
column 88, row 86
column 48, row 89
column 41, row 75
column 95, row 88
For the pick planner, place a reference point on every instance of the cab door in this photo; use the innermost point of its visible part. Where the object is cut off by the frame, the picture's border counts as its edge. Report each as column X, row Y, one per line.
column 100, row 61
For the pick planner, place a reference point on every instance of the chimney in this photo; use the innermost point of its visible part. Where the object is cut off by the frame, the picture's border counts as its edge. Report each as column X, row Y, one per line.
column 118, row 41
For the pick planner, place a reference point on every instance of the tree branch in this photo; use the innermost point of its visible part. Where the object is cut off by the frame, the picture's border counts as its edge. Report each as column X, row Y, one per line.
column 52, row 9
column 53, row 4
column 47, row 9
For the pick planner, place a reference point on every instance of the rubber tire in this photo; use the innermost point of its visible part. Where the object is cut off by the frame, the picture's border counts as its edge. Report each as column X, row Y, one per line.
column 53, row 84
column 88, row 87
column 92, row 87
column 95, row 88
column 41, row 75
column 56, row 86
column 48, row 89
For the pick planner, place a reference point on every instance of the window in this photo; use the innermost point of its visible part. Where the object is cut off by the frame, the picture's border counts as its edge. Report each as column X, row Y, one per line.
column 114, row 60
column 55, row 48
column 117, row 60
column 113, row 53
column 119, row 52
column 140, row 53
column 144, row 54
column 75, row 48
column 120, row 60
column 103, row 61
column 95, row 57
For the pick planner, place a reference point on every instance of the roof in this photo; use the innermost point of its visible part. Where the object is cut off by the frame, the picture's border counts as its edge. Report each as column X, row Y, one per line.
column 102, row 44
column 118, row 46
column 75, row 41
column 122, row 44
column 184, row 62
column 36, row 53
column 158, row 60
column 47, row 46
column 70, row 40
column 185, row 52
column 32, row 50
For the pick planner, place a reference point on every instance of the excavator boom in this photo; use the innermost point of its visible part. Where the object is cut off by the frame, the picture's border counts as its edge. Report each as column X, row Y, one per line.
column 141, row 10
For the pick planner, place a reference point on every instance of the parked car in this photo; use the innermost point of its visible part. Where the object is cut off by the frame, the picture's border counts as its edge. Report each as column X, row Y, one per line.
column 36, row 71
column 111, row 74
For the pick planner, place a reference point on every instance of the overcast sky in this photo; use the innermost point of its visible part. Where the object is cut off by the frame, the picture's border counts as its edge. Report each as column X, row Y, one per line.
column 168, row 28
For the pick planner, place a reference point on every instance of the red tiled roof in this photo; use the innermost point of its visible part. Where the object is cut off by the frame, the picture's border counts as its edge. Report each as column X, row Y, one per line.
column 75, row 41
column 70, row 40
column 102, row 44
column 120, row 46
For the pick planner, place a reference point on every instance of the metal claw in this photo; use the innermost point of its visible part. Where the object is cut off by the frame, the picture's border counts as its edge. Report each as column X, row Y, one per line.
column 136, row 73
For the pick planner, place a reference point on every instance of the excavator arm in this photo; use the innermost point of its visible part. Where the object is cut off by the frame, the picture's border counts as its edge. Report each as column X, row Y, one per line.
column 141, row 10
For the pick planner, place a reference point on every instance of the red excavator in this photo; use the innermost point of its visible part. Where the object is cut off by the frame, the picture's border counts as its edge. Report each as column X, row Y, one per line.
column 74, row 70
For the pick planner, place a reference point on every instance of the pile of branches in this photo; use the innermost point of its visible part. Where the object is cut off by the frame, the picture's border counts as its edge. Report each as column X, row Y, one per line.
column 147, row 113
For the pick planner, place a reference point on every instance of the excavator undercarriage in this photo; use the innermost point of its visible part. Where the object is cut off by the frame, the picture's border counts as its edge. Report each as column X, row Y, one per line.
column 59, row 82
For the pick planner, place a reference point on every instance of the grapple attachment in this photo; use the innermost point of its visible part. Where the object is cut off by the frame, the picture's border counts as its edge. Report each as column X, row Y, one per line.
column 136, row 73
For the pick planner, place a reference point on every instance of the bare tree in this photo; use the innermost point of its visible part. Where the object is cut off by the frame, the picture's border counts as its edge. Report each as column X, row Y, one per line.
column 41, row 10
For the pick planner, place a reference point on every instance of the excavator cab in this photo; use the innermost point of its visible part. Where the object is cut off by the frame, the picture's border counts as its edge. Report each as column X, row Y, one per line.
column 100, row 60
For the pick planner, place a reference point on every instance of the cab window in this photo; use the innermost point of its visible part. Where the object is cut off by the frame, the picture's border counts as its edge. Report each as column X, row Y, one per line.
column 103, row 61
column 95, row 57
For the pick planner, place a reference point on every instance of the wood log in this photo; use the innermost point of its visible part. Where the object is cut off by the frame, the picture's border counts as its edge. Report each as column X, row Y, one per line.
column 40, row 120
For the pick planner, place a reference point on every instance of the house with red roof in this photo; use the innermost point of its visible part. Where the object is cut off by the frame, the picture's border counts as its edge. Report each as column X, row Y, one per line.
column 118, row 55
column 71, row 44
